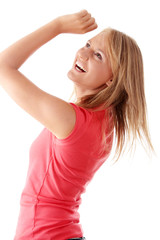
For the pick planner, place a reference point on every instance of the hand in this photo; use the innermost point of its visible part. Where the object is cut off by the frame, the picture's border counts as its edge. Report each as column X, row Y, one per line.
column 79, row 23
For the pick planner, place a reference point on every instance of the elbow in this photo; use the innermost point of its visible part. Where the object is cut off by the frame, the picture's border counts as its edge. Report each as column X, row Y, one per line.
column 6, row 61
column 2, row 61
column 4, row 67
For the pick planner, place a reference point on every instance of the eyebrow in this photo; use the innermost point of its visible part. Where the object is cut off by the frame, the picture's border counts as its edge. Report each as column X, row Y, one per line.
column 99, row 50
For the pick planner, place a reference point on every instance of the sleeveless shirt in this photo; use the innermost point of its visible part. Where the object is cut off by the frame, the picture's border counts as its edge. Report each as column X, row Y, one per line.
column 59, row 172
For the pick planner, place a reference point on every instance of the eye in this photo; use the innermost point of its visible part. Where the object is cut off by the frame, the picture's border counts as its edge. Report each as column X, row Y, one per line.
column 98, row 55
column 88, row 45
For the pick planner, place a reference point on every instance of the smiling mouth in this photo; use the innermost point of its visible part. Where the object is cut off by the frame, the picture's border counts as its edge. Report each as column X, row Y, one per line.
column 79, row 68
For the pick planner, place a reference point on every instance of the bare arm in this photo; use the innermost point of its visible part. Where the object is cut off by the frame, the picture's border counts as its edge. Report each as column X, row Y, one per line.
column 54, row 113
column 17, row 54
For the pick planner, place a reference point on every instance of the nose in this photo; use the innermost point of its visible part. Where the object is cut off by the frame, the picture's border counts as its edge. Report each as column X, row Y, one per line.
column 83, row 54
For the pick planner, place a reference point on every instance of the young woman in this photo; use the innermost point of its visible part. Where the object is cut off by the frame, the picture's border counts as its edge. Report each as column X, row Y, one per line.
column 77, row 137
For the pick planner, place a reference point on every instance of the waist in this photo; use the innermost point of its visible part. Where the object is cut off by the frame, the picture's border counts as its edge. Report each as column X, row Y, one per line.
column 55, row 209
column 47, row 218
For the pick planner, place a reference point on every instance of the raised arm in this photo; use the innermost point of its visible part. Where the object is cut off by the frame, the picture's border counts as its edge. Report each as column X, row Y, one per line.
column 54, row 113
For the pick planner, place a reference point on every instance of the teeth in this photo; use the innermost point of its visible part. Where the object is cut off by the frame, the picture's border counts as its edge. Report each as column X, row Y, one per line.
column 80, row 67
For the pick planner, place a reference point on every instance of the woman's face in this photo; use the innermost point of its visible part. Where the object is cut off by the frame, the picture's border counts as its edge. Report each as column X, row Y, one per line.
column 91, row 69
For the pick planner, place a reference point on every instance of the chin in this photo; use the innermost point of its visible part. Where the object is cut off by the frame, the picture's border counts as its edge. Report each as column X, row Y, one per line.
column 71, row 76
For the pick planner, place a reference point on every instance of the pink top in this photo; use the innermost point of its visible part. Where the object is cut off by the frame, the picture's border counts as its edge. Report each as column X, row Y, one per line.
column 59, row 171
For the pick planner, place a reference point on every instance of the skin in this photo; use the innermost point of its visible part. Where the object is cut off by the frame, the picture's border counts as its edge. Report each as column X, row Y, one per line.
column 52, row 112
column 93, row 58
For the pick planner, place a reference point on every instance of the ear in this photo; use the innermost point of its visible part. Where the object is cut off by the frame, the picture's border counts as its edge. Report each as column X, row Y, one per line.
column 109, row 81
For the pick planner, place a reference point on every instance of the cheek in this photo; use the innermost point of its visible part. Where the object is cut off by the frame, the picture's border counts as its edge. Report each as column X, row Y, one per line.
column 105, row 72
column 97, row 78
column 100, row 72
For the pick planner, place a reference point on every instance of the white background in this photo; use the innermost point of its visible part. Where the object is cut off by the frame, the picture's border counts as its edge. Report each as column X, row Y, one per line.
column 122, row 201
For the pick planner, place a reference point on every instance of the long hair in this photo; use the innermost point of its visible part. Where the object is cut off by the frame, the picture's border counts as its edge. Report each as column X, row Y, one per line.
column 125, row 95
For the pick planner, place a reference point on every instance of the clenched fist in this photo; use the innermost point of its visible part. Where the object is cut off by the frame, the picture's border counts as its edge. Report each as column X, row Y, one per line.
column 80, row 23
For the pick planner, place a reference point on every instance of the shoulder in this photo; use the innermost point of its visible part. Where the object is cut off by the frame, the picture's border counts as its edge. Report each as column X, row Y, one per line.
column 75, row 121
column 66, row 120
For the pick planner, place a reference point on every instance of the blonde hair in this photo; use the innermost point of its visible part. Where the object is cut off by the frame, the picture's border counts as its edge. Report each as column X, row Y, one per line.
column 126, row 94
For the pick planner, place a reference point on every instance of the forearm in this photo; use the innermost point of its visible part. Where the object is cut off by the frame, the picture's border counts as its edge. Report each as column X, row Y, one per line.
column 15, row 55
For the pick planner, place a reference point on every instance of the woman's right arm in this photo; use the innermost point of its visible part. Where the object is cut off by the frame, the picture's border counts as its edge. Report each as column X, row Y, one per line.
column 15, row 55
column 54, row 113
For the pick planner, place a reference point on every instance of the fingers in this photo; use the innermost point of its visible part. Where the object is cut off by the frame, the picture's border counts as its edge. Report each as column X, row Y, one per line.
column 85, row 16
column 79, row 23
column 89, row 22
column 92, row 27
column 83, row 13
